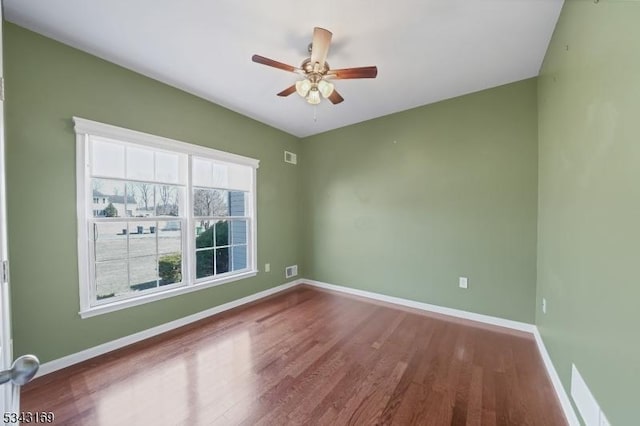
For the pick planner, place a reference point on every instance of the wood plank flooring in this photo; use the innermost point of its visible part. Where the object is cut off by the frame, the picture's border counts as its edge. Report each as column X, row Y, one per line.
column 310, row 357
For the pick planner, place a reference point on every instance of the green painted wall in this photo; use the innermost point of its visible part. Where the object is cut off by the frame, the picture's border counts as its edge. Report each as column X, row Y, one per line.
column 589, row 201
column 46, row 84
column 405, row 204
column 400, row 205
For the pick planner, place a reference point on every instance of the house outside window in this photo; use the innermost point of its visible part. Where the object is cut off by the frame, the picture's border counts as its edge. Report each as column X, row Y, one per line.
column 159, row 217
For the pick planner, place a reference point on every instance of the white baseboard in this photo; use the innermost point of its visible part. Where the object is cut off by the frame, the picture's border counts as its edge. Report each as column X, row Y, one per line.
column 565, row 403
column 515, row 325
column 69, row 360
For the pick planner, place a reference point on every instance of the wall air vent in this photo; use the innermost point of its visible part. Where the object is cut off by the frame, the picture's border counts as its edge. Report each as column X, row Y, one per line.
column 290, row 157
column 291, row 271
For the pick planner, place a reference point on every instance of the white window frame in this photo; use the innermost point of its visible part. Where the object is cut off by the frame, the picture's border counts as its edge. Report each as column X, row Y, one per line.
column 85, row 129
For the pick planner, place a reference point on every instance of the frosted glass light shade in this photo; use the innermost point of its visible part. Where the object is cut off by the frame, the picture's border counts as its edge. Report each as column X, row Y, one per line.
column 303, row 87
column 325, row 88
column 314, row 96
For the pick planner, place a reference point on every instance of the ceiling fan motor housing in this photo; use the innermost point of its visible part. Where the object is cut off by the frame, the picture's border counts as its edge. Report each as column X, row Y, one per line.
column 313, row 68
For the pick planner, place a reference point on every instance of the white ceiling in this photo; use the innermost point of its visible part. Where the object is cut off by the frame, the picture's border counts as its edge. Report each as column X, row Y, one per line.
column 425, row 50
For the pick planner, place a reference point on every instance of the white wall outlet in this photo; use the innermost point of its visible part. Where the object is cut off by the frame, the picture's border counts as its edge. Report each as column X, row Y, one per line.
column 544, row 305
column 463, row 282
column 267, row 267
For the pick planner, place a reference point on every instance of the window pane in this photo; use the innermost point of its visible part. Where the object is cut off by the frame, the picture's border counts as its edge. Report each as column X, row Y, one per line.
column 141, row 241
column 222, row 233
column 168, row 200
column 220, row 175
column 107, row 159
column 237, row 205
column 108, row 199
column 239, row 232
column 110, row 240
column 202, row 203
column 111, row 279
column 238, row 258
column 169, row 236
column 141, row 200
column 144, row 194
column 222, row 260
column 202, row 172
column 210, row 202
column 204, row 234
column 170, row 268
column 143, row 273
column 167, row 167
column 231, row 176
column 220, row 202
column 139, row 164
column 240, row 177
column 204, row 263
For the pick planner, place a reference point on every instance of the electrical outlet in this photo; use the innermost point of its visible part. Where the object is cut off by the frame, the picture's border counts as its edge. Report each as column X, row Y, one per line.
column 544, row 305
column 463, row 282
column 267, row 267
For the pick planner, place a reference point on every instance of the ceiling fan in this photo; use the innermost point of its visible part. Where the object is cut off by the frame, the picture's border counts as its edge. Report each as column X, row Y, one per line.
column 316, row 71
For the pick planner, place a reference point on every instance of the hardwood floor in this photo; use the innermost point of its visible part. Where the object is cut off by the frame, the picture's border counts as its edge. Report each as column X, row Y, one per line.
column 310, row 357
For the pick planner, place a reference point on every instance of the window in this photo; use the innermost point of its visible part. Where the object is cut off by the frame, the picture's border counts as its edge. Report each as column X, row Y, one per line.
column 158, row 217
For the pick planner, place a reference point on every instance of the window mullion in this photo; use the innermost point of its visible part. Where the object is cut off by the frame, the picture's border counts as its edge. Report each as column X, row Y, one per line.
column 188, row 246
column 92, row 283
column 157, row 233
column 128, row 254
column 151, row 182
column 215, row 252
column 88, row 254
column 252, row 224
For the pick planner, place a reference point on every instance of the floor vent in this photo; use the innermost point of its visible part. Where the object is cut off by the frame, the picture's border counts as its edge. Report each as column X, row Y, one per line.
column 587, row 405
column 291, row 271
column 290, row 157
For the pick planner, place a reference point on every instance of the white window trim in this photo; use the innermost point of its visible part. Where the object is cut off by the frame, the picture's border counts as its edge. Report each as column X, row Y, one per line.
column 84, row 129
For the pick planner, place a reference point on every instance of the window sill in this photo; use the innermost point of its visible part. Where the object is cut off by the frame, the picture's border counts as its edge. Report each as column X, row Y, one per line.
column 141, row 300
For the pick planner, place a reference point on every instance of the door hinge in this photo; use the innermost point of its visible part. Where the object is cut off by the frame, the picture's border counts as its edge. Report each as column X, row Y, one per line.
column 5, row 271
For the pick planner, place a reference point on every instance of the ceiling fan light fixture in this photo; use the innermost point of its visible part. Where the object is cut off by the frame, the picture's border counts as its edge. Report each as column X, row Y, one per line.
column 303, row 87
column 314, row 96
column 313, row 87
column 325, row 88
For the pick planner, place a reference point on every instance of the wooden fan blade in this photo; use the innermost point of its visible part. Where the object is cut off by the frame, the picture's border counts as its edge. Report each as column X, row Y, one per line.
column 271, row 63
column 335, row 97
column 320, row 45
column 359, row 72
column 289, row 90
